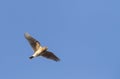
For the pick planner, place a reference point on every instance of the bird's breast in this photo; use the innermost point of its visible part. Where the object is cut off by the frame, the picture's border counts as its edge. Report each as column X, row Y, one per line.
column 37, row 53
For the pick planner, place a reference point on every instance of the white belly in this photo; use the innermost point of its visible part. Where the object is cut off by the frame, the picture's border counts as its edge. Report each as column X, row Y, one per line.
column 37, row 53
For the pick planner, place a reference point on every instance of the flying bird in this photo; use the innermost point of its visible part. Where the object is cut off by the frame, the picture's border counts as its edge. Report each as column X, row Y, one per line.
column 38, row 49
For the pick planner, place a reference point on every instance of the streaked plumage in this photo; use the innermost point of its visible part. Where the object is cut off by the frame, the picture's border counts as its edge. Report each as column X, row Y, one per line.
column 39, row 50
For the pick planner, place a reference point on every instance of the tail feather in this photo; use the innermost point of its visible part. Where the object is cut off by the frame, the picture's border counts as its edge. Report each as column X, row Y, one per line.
column 31, row 57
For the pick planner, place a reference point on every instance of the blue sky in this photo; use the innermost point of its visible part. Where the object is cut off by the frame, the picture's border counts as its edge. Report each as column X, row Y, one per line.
column 84, row 34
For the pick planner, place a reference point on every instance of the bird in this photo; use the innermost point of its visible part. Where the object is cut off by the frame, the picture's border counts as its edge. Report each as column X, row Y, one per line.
column 39, row 50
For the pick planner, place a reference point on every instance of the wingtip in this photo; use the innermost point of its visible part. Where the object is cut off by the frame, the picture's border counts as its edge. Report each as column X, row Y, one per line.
column 57, row 60
column 26, row 34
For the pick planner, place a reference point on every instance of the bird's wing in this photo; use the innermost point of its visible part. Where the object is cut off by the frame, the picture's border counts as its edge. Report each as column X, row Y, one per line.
column 33, row 42
column 50, row 55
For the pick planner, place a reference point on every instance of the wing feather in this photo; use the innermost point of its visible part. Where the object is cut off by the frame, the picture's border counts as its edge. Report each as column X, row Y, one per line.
column 33, row 42
column 50, row 55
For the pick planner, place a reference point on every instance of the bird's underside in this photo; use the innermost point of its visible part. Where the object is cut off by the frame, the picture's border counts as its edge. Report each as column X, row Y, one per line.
column 39, row 50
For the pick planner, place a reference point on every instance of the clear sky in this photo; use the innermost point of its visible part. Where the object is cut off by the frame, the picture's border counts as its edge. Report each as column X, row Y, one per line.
column 84, row 34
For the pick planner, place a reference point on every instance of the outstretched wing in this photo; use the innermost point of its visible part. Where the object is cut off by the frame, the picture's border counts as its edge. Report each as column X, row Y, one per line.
column 33, row 42
column 50, row 55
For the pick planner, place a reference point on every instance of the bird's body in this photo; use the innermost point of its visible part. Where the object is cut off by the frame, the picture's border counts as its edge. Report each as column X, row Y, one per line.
column 39, row 50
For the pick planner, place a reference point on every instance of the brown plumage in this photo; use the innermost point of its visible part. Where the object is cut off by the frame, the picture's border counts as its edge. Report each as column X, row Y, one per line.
column 39, row 50
column 50, row 55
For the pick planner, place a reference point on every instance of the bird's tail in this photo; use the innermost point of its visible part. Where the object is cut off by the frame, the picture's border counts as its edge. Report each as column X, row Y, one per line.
column 31, row 57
